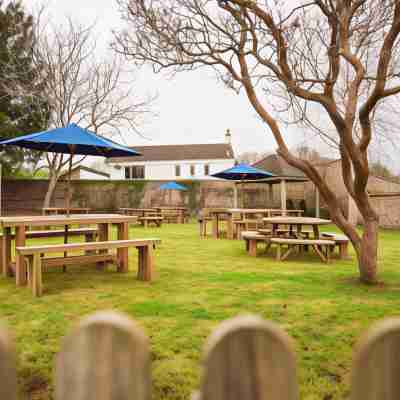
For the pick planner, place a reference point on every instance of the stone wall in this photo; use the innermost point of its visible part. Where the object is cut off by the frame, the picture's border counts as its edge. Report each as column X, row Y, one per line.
column 26, row 196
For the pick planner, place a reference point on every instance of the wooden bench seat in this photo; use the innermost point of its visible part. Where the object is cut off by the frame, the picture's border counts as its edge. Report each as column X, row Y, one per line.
column 252, row 238
column 341, row 241
column 155, row 220
column 320, row 246
column 90, row 235
column 35, row 262
column 240, row 225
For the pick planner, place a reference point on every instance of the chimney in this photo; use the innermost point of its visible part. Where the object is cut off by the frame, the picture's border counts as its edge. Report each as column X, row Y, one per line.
column 228, row 136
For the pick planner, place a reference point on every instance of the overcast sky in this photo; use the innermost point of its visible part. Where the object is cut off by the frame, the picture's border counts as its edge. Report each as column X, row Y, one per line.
column 193, row 107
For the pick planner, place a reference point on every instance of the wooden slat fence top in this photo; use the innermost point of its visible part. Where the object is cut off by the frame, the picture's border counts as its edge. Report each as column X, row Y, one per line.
column 297, row 220
column 376, row 363
column 249, row 358
column 45, row 220
column 8, row 375
column 250, row 210
column 56, row 248
column 105, row 358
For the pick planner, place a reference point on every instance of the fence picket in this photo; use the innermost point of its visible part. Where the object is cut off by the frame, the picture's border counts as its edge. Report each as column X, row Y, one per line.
column 376, row 364
column 105, row 358
column 8, row 376
column 249, row 358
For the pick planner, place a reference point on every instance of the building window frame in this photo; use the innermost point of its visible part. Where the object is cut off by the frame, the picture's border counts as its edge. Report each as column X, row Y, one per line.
column 135, row 172
column 207, row 169
column 192, row 170
column 177, row 170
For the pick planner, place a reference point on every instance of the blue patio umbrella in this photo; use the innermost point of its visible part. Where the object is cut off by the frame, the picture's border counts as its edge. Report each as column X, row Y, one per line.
column 172, row 186
column 242, row 172
column 72, row 140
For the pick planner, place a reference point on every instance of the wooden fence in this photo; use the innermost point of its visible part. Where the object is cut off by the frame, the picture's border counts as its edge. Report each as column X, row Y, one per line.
column 107, row 358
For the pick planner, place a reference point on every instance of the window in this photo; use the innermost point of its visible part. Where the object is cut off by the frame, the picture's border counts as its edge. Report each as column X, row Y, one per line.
column 134, row 172
column 192, row 170
column 206, row 170
column 177, row 170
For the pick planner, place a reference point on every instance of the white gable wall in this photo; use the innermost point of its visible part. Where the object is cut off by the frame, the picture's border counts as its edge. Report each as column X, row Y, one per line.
column 165, row 170
column 89, row 175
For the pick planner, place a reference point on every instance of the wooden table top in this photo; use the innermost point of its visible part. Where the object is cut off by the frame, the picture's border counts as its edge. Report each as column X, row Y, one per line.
column 65, row 209
column 250, row 210
column 45, row 220
column 138, row 209
column 297, row 221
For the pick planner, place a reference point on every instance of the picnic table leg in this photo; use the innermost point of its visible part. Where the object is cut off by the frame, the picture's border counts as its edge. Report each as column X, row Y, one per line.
column 316, row 231
column 36, row 279
column 103, row 237
column 145, row 263
column 20, row 265
column 253, row 247
column 122, row 254
column 215, row 227
column 229, row 227
column 6, row 252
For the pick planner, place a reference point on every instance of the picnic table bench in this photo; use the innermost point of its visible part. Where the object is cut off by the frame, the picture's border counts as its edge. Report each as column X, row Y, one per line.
column 322, row 247
column 252, row 238
column 89, row 234
column 36, row 262
column 341, row 241
column 156, row 220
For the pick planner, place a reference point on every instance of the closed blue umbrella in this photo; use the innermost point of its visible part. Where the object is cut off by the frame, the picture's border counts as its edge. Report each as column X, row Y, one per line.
column 242, row 172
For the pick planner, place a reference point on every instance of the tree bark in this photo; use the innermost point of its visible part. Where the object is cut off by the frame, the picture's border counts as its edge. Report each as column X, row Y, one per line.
column 367, row 252
column 50, row 190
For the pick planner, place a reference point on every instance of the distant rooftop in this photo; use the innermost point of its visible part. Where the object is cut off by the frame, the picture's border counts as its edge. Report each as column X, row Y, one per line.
column 217, row 151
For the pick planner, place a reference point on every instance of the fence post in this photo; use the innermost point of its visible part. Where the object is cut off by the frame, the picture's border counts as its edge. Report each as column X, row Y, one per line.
column 8, row 375
column 249, row 358
column 376, row 363
column 105, row 358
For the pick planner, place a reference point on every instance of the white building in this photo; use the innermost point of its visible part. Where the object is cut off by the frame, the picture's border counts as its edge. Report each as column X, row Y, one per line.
column 174, row 162
column 81, row 172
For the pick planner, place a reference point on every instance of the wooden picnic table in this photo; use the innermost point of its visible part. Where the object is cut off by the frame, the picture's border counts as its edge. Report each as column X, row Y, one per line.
column 63, row 210
column 20, row 224
column 298, row 223
column 139, row 212
column 227, row 214
column 180, row 211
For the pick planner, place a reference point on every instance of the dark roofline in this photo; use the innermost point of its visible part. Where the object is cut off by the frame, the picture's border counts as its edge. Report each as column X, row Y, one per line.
column 88, row 169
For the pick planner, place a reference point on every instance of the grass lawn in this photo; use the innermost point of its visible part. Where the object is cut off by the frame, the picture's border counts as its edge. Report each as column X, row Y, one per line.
column 199, row 283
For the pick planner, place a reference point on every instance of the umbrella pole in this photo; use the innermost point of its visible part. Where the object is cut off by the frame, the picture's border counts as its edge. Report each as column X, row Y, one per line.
column 68, row 201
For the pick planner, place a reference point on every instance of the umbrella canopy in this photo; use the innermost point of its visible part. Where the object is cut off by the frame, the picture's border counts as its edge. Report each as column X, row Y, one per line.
column 71, row 139
column 242, row 172
column 172, row 186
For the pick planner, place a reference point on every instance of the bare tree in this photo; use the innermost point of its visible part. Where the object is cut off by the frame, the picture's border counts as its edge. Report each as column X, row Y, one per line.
column 327, row 65
column 250, row 157
column 77, row 87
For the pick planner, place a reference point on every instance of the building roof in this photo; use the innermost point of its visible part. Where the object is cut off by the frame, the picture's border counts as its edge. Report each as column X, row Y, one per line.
column 88, row 169
column 278, row 166
column 218, row 151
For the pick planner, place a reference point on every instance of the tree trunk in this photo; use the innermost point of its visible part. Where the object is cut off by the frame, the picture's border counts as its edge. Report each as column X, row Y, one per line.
column 367, row 253
column 50, row 190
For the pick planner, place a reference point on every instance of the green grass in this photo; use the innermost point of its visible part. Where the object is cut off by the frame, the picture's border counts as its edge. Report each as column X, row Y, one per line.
column 199, row 283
